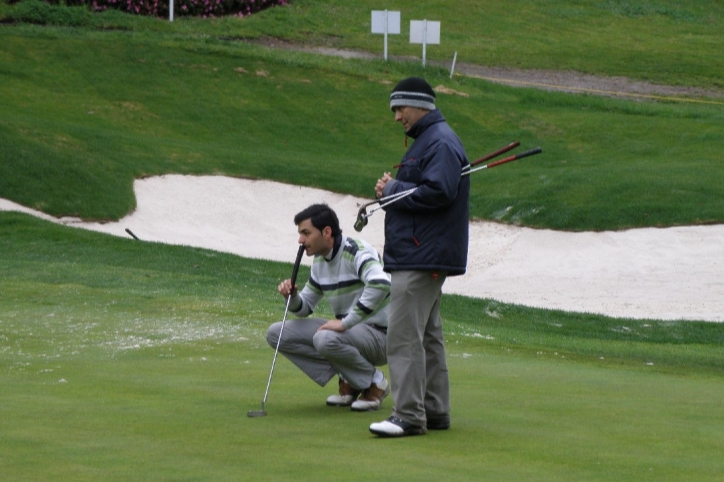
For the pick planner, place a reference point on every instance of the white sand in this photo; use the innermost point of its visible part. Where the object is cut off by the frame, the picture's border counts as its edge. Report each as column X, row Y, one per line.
column 670, row 274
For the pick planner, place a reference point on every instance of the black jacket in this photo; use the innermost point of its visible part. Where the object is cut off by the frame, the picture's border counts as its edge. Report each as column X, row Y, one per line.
column 428, row 230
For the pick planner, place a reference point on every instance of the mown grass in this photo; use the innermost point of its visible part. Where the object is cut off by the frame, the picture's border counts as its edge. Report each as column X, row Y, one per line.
column 587, row 337
column 127, row 360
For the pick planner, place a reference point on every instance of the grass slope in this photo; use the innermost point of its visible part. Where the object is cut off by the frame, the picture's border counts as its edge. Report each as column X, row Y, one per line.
column 664, row 41
column 78, row 127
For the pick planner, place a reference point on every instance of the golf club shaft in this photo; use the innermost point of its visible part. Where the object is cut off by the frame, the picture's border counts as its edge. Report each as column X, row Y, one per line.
column 394, row 197
column 295, row 271
column 531, row 152
column 276, row 352
column 503, row 150
column 362, row 214
column 384, row 201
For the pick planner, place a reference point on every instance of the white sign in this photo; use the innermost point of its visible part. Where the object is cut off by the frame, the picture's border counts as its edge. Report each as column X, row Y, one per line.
column 424, row 32
column 390, row 24
column 386, row 23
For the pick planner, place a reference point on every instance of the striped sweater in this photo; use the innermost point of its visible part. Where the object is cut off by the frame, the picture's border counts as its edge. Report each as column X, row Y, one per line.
column 354, row 283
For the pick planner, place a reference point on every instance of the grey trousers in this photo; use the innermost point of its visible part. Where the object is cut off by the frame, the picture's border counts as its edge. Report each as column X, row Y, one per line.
column 416, row 349
column 354, row 354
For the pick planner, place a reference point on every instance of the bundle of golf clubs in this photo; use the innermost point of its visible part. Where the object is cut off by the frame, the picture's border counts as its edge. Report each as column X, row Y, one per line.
column 363, row 215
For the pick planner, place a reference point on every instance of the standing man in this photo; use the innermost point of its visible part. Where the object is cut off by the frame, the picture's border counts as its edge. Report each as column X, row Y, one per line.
column 348, row 272
column 426, row 240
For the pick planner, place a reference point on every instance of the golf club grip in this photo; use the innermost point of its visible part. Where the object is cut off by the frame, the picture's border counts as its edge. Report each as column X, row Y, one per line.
column 531, row 152
column 487, row 157
column 297, row 262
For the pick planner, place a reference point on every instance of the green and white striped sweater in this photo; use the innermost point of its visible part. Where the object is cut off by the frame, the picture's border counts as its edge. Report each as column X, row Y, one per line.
column 354, row 283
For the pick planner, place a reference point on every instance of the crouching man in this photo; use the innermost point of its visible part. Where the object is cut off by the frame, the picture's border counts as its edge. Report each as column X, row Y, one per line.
column 348, row 273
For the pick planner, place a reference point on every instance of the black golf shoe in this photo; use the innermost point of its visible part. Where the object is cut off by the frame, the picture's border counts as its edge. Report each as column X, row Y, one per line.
column 438, row 422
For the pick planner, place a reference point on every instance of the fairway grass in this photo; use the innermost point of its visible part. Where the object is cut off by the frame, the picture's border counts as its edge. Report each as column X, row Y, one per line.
column 123, row 360
column 178, row 412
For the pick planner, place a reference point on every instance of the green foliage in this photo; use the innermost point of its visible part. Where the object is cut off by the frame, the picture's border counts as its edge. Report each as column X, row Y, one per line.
column 66, row 13
column 40, row 12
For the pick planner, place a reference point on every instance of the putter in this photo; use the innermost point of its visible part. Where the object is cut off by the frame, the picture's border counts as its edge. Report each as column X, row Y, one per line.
column 363, row 215
column 295, row 270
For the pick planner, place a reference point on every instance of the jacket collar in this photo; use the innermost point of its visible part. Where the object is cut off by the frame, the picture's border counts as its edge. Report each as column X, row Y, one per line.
column 433, row 117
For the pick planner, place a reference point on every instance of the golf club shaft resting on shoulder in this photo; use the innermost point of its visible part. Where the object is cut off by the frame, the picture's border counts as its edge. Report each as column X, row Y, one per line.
column 363, row 215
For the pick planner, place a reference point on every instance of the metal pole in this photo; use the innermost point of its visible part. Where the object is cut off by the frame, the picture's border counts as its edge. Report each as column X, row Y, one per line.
column 424, row 41
column 386, row 26
column 452, row 69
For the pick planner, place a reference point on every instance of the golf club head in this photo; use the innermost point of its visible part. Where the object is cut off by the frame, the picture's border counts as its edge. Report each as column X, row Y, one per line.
column 361, row 220
column 256, row 413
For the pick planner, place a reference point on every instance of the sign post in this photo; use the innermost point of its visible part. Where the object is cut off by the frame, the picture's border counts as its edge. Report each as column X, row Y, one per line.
column 385, row 22
column 424, row 32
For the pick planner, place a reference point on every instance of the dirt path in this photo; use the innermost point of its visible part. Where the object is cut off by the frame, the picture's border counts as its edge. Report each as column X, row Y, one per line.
column 564, row 81
column 567, row 81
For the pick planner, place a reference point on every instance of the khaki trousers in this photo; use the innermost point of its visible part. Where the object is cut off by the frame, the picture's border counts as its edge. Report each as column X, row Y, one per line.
column 415, row 347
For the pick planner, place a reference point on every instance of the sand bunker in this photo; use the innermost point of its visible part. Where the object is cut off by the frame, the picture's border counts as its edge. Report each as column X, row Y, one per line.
column 669, row 274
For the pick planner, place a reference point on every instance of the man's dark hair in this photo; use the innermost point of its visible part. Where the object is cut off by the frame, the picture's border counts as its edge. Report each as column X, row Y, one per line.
column 321, row 216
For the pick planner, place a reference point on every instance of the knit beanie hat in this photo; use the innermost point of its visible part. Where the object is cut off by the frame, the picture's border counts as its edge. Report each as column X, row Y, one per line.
column 413, row 92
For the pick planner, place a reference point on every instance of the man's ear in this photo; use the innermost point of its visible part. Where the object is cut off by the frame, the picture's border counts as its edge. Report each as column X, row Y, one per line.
column 327, row 232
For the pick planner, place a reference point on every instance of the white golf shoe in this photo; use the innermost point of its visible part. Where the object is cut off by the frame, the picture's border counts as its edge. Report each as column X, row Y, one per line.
column 347, row 395
column 371, row 398
column 395, row 427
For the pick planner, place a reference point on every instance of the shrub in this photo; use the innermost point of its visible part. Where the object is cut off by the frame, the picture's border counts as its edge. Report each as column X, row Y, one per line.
column 182, row 8
column 37, row 11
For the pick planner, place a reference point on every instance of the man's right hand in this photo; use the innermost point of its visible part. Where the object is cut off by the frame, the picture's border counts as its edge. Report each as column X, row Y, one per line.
column 285, row 288
column 381, row 182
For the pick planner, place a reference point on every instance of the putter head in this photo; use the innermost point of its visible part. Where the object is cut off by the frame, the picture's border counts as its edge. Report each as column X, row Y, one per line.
column 256, row 413
column 361, row 219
